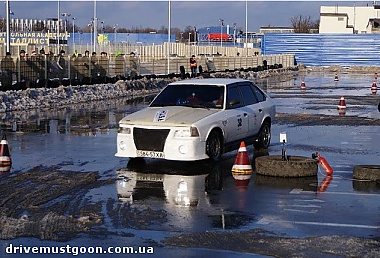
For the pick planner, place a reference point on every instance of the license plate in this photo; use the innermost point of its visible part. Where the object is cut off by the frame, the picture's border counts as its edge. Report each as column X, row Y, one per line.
column 150, row 154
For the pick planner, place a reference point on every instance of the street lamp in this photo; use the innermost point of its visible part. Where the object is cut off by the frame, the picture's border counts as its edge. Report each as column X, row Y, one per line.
column 115, row 31
column 66, row 15
column 208, row 36
column 102, row 22
column 195, row 36
column 189, row 37
column 8, row 12
column 74, row 32
column 90, row 25
column 221, row 31
column 234, row 33
column 95, row 26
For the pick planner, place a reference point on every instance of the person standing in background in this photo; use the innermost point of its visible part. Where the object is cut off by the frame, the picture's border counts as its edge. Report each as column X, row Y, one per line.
column 62, row 67
column 8, row 68
column 193, row 66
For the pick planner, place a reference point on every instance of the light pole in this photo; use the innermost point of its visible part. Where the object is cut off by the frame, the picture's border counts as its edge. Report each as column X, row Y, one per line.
column 66, row 15
column 115, row 31
column 189, row 37
column 246, row 27
column 90, row 25
column 181, row 37
column 195, row 36
column 208, row 36
column 221, row 31
column 95, row 26
column 169, row 31
column 102, row 22
column 234, row 33
column 8, row 12
column 74, row 32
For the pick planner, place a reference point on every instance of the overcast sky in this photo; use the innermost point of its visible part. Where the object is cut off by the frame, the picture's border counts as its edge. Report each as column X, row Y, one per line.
column 154, row 14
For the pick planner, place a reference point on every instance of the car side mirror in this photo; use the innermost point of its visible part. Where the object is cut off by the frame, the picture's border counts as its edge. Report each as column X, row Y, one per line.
column 233, row 102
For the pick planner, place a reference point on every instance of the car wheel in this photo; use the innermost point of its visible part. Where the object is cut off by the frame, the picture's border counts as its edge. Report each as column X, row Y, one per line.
column 263, row 139
column 214, row 145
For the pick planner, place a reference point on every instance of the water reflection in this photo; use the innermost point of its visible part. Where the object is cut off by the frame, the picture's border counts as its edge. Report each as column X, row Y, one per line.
column 188, row 191
column 79, row 119
column 177, row 190
column 366, row 186
column 177, row 183
column 306, row 183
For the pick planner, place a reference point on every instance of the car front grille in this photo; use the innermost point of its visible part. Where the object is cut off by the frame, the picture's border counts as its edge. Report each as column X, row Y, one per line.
column 150, row 139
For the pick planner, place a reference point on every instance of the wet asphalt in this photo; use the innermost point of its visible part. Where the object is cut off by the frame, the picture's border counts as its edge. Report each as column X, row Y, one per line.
column 83, row 139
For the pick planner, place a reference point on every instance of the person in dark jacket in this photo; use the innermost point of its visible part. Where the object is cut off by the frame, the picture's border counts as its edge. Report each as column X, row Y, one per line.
column 7, row 70
column 61, row 64
column 193, row 66
column 132, row 65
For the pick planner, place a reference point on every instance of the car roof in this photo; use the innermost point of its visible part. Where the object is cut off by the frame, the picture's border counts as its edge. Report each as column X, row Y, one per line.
column 209, row 81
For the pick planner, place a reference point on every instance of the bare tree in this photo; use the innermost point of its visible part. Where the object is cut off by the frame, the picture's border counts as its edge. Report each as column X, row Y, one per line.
column 302, row 24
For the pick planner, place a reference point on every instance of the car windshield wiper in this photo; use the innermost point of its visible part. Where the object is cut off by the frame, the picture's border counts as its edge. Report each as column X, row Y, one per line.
column 195, row 105
column 162, row 104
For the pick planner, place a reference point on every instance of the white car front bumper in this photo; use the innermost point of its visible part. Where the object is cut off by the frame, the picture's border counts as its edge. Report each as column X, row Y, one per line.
column 174, row 148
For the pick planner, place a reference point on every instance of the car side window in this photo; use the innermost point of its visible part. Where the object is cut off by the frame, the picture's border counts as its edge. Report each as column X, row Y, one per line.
column 260, row 96
column 234, row 98
column 248, row 94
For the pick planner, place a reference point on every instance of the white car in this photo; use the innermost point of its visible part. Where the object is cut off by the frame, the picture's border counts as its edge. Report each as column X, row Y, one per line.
column 198, row 119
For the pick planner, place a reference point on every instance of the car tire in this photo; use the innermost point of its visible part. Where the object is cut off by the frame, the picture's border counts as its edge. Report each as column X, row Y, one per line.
column 263, row 140
column 294, row 166
column 214, row 146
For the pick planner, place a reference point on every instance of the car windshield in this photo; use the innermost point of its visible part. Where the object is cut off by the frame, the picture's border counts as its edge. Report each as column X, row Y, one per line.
column 196, row 96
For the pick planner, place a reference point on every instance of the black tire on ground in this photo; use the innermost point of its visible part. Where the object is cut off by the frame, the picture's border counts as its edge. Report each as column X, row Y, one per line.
column 295, row 166
column 367, row 172
column 214, row 145
column 263, row 139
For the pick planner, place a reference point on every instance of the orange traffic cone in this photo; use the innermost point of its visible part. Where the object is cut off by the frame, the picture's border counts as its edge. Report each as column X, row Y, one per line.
column 342, row 103
column 336, row 78
column 242, row 169
column 303, row 85
column 374, row 88
column 5, row 155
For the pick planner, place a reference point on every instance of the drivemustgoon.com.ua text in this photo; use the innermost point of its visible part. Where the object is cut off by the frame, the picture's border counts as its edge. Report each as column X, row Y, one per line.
column 75, row 250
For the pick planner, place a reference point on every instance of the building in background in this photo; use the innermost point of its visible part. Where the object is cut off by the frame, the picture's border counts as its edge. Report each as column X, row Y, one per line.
column 350, row 19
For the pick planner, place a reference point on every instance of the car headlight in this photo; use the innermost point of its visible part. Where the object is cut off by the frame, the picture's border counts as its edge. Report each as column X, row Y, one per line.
column 186, row 132
column 124, row 130
column 122, row 145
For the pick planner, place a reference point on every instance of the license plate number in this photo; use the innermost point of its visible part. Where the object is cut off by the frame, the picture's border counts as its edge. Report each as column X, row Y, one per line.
column 150, row 154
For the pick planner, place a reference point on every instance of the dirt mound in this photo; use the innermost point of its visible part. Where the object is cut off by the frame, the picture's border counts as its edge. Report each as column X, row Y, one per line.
column 36, row 203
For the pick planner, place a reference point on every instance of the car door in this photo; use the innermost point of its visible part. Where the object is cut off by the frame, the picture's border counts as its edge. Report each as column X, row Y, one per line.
column 236, row 115
column 253, row 107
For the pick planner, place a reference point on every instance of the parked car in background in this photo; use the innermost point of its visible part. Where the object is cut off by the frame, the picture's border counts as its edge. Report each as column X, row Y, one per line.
column 198, row 119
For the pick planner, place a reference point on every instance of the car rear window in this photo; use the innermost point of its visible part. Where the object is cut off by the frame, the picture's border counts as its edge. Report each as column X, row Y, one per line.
column 248, row 95
column 258, row 93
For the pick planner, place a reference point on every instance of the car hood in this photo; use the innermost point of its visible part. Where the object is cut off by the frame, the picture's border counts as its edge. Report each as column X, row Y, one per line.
column 168, row 116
